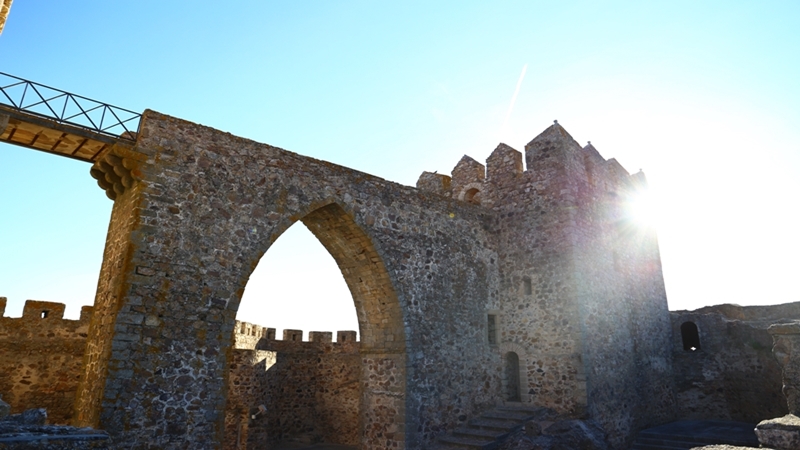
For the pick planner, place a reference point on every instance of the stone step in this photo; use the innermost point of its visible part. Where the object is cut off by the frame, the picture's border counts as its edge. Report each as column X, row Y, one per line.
column 661, row 444
column 519, row 416
column 495, row 424
column 479, row 433
column 697, row 440
column 637, row 446
column 526, row 409
column 467, row 443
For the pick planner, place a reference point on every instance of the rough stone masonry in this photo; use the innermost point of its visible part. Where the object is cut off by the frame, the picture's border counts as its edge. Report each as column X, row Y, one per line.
column 502, row 283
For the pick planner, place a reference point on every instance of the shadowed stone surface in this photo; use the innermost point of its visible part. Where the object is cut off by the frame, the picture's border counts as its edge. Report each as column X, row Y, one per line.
column 27, row 430
column 782, row 433
column 786, row 348
column 732, row 373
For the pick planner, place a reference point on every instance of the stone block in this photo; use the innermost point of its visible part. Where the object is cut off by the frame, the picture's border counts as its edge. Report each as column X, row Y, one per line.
column 293, row 335
column 320, row 336
column 35, row 309
column 346, row 336
column 782, row 433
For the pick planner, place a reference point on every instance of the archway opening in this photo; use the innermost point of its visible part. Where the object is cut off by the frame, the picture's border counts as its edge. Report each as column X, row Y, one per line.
column 690, row 337
column 298, row 286
column 512, row 377
column 305, row 391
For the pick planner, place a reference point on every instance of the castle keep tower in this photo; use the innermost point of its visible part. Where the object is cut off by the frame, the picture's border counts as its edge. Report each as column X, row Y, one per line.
column 579, row 312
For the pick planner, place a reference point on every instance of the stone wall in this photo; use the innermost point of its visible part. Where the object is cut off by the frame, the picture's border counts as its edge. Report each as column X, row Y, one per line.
column 731, row 374
column 196, row 208
column 41, row 358
column 496, row 284
column 580, row 297
column 311, row 390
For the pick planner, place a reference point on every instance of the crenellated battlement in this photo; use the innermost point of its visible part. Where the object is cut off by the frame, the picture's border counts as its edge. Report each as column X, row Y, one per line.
column 41, row 355
column 41, row 319
column 251, row 336
column 553, row 156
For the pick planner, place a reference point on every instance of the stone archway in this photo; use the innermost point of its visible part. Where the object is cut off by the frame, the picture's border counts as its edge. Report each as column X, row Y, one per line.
column 382, row 346
column 185, row 234
column 379, row 316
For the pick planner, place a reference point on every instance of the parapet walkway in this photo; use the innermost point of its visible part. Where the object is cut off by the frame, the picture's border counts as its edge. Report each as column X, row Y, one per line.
column 688, row 434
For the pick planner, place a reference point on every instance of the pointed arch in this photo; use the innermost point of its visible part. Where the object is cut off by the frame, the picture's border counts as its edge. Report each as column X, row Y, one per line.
column 377, row 306
column 382, row 345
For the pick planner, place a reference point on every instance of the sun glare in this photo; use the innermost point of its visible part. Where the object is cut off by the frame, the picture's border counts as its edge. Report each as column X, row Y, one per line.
column 642, row 209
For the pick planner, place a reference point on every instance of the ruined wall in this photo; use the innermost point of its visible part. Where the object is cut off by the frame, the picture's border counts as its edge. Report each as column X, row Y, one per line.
column 41, row 358
column 732, row 375
column 201, row 207
column 311, row 389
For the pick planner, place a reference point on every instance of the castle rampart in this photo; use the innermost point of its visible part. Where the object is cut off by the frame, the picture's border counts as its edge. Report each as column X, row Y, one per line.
column 310, row 389
column 41, row 358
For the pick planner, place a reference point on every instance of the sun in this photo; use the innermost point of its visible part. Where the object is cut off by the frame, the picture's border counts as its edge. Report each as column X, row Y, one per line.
column 642, row 208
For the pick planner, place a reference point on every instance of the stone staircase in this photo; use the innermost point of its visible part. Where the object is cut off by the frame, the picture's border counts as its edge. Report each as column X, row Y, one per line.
column 677, row 437
column 489, row 430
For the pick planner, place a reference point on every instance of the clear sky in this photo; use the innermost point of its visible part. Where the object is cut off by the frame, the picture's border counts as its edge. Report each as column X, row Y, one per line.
column 703, row 96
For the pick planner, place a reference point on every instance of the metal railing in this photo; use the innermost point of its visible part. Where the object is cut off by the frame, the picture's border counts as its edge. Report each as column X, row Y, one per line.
column 63, row 107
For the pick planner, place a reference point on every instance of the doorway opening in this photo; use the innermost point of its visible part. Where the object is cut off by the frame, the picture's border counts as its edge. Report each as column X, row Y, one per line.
column 512, row 377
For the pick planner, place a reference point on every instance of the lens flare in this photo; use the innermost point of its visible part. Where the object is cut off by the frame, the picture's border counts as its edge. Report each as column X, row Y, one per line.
column 642, row 209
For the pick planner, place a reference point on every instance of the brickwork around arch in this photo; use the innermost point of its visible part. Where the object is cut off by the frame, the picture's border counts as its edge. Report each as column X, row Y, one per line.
column 543, row 247
column 185, row 237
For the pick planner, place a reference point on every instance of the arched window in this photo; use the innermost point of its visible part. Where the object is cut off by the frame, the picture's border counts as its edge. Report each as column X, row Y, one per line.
column 473, row 196
column 690, row 337
column 512, row 377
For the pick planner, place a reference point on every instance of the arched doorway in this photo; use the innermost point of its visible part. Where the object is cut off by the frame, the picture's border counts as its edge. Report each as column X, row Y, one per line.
column 690, row 336
column 302, row 385
column 511, row 374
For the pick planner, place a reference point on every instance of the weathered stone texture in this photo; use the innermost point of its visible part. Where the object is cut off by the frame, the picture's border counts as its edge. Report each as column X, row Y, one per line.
column 782, row 433
column 41, row 358
column 435, row 182
column 786, row 349
column 311, row 391
column 191, row 231
column 125, row 215
column 580, row 291
column 496, row 285
column 733, row 374
column 246, row 391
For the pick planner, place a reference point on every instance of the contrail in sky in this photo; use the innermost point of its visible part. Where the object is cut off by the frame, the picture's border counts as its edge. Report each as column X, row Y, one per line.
column 514, row 97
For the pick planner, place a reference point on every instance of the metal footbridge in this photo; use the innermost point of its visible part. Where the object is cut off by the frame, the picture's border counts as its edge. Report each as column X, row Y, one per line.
column 47, row 119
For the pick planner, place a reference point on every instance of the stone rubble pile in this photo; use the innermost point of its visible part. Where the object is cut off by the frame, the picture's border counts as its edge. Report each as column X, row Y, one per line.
column 28, row 430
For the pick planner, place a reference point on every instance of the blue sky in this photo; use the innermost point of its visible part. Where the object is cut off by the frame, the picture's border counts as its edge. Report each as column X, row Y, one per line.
column 703, row 96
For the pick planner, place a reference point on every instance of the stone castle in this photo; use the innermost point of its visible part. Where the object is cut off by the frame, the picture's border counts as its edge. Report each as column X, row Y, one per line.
column 514, row 284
